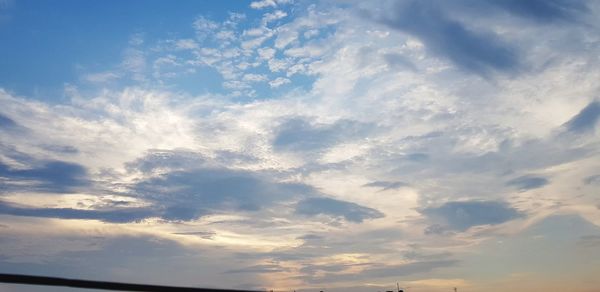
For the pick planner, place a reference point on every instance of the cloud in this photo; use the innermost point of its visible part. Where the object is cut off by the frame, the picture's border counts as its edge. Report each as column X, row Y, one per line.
column 124, row 215
column 461, row 216
column 6, row 122
column 191, row 193
column 156, row 160
column 384, row 271
column 398, row 61
column 594, row 179
column 50, row 176
column 279, row 81
column 271, row 268
column 268, row 3
column 543, row 10
column 188, row 186
column 475, row 51
column 387, row 185
column 101, row 77
column 528, row 182
column 298, row 134
column 335, row 208
column 586, row 119
column 64, row 149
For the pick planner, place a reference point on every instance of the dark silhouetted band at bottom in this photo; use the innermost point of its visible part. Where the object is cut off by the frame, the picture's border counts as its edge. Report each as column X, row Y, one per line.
column 52, row 281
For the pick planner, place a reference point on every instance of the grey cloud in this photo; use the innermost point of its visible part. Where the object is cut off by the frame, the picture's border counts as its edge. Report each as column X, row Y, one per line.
column 528, row 182
column 166, row 160
column 594, row 179
column 64, row 149
column 184, row 191
column 192, row 193
column 201, row 234
column 586, row 119
column 384, row 271
column 336, row 208
column 114, row 216
column 310, row 237
column 145, row 257
column 6, row 122
column 589, row 241
column 398, row 61
column 417, row 157
column 50, row 176
column 420, row 256
column 461, row 216
column 270, row 268
column 313, row 269
column 543, row 10
column 387, row 185
column 300, row 135
column 473, row 51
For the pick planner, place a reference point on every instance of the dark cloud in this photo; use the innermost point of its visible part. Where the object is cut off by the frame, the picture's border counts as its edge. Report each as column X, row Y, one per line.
column 461, row 216
column 387, row 185
column 50, row 176
column 186, row 188
column 543, row 10
column 586, row 119
column 528, row 182
column 471, row 50
column 336, row 208
column 188, row 194
column 114, row 216
column 300, row 135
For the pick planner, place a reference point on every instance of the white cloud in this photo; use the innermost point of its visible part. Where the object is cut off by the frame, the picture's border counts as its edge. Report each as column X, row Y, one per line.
column 255, row 77
column 263, row 4
column 101, row 77
column 266, row 53
column 275, row 15
column 278, row 82
column 186, row 44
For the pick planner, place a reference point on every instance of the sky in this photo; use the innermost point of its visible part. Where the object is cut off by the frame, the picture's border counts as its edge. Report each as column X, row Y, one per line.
column 302, row 145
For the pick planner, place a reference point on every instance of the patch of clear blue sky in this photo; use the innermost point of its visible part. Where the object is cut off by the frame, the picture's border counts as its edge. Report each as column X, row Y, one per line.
column 45, row 43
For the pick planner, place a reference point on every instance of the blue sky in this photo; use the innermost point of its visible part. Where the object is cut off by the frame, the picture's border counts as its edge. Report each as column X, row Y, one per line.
column 307, row 145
